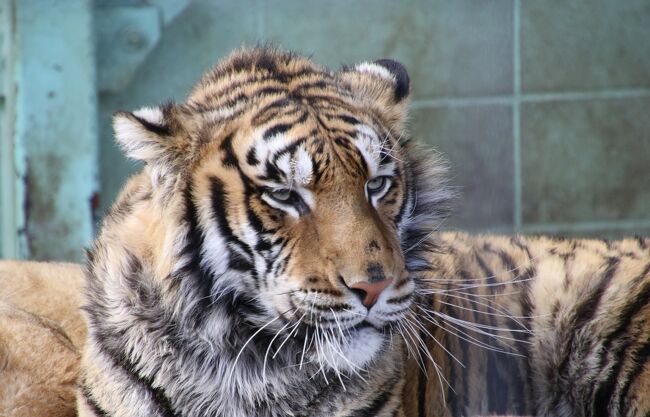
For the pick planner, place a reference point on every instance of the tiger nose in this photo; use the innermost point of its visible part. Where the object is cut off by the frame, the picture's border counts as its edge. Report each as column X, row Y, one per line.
column 369, row 292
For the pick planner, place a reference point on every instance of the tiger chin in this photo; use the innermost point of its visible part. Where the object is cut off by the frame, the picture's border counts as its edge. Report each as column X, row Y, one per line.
column 279, row 255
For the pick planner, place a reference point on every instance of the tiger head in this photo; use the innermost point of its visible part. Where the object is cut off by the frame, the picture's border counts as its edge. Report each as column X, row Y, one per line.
column 295, row 189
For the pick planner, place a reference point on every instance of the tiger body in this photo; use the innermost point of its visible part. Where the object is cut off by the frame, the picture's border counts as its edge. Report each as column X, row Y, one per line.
column 542, row 326
column 561, row 296
column 279, row 255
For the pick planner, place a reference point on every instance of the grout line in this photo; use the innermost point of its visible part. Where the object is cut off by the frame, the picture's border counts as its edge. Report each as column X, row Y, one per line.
column 516, row 114
column 587, row 95
column 629, row 225
column 531, row 98
column 462, row 101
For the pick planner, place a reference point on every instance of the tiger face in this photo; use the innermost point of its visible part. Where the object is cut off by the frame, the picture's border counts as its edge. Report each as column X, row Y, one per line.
column 299, row 190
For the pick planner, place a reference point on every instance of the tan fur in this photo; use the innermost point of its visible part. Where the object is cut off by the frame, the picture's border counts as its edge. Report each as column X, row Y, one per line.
column 41, row 333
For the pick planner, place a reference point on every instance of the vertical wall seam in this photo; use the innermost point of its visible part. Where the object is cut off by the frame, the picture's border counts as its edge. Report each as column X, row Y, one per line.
column 516, row 114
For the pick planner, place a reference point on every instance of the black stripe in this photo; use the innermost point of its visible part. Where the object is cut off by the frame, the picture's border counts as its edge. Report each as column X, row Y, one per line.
column 497, row 387
column 91, row 403
column 119, row 359
column 378, row 402
column 585, row 310
column 276, row 130
column 583, row 313
column 278, row 103
column 200, row 279
column 347, row 118
column 639, row 361
column 161, row 130
column 455, row 398
column 219, row 208
column 251, row 157
column 631, row 309
column 313, row 84
column 508, row 262
column 489, row 275
column 268, row 90
column 605, row 390
column 229, row 158
column 423, row 381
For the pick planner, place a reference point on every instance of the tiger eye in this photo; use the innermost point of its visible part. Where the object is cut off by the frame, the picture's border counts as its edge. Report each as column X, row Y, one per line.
column 376, row 184
column 281, row 195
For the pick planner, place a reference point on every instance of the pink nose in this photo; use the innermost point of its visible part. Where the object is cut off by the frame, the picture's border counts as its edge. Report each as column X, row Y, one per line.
column 369, row 292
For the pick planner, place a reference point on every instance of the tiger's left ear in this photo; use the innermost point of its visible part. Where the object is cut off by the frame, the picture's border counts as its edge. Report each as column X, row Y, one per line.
column 384, row 85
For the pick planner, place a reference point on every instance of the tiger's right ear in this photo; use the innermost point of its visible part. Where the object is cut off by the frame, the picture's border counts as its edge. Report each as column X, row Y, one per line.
column 150, row 134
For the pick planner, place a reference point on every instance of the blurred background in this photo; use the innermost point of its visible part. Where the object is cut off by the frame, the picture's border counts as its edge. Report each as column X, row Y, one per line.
column 542, row 108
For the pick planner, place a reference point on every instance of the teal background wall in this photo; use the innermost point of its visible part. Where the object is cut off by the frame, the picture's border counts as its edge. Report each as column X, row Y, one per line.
column 541, row 107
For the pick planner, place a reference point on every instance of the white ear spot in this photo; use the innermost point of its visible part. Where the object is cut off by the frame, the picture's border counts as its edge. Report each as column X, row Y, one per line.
column 375, row 69
column 137, row 133
column 151, row 115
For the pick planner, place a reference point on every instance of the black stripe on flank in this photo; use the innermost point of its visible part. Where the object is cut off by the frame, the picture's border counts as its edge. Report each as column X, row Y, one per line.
column 522, row 338
column 489, row 274
column 508, row 262
column 631, row 309
column 605, row 390
column 639, row 361
column 91, row 403
column 423, row 381
column 497, row 387
column 584, row 312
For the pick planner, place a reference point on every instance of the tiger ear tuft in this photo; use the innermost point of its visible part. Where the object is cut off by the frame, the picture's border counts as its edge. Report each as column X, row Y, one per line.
column 145, row 134
column 383, row 85
column 400, row 77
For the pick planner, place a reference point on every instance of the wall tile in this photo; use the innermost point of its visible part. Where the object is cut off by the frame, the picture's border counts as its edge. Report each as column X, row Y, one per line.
column 585, row 45
column 586, row 160
column 207, row 31
column 477, row 141
column 454, row 48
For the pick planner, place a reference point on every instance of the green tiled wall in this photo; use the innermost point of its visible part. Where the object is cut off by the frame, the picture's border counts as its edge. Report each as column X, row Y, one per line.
column 541, row 109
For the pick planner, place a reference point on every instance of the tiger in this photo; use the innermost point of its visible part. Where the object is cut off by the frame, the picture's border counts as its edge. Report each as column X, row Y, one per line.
column 281, row 254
